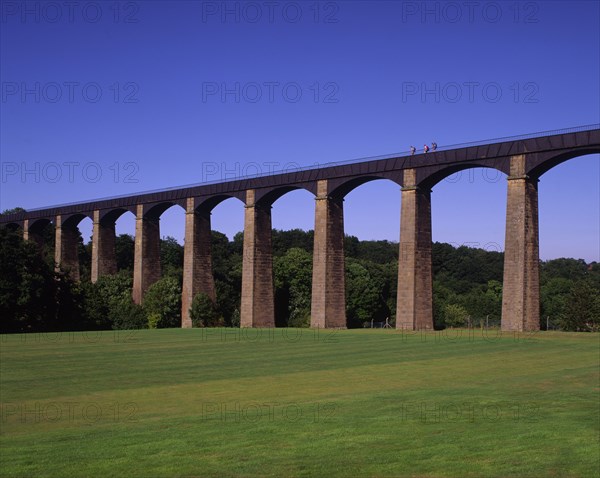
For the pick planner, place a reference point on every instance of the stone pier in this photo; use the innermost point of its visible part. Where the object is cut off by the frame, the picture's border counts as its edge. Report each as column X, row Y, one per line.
column 197, row 261
column 521, row 284
column 328, row 305
column 414, row 310
column 66, row 256
column 104, row 258
column 146, row 266
column 258, row 307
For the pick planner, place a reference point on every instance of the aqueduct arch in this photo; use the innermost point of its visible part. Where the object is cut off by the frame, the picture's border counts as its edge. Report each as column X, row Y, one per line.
column 146, row 264
column 197, row 259
column 523, row 158
column 258, row 301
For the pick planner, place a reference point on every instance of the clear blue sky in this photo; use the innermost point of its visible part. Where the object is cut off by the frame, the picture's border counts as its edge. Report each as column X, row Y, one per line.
column 173, row 93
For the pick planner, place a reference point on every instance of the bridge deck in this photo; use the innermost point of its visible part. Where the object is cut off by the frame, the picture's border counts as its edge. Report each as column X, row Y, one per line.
column 488, row 153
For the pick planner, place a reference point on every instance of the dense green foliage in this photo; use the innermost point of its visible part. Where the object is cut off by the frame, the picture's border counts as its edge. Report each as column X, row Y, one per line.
column 33, row 296
column 292, row 271
column 108, row 303
column 162, row 303
column 204, row 312
column 467, row 287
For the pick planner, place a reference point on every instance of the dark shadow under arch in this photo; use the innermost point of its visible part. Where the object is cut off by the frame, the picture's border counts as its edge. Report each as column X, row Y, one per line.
column 157, row 210
column 207, row 205
column 436, row 177
column 74, row 220
column 269, row 198
column 344, row 188
column 13, row 226
column 546, row 164
column 113, row 215
column 37, row 226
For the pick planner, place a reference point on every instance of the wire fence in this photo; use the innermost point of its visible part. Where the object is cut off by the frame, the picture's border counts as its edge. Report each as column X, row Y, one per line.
column 483, row 323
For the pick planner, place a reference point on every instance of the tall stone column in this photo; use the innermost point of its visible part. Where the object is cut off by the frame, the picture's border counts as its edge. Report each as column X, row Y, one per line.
column 521, row 285
column 258, row 303
column 104, row 256
column 414, row 309
column 328, row 303
column 146, row 265
column 26, row 232
column 197, row 260
column 65, row 248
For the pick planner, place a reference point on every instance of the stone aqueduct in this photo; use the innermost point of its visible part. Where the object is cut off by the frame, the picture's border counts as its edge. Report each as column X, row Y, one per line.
column 523, row 159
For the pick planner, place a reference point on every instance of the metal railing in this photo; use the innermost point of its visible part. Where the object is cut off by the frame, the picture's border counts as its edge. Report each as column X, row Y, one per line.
column 540, row 134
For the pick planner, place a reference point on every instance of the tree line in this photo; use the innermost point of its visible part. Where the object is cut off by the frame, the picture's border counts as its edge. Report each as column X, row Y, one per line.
column 467, row 286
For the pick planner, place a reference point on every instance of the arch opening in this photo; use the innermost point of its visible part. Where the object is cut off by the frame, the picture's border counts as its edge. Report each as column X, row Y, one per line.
column 41, row 232
column 292, row 245
column 84, row 248
column 13, row 226
column 171, row 217
column 569, row 243
column 124, row 221
column 468, row 218
column 372, row 228
column 455, row 173
column 227, row 225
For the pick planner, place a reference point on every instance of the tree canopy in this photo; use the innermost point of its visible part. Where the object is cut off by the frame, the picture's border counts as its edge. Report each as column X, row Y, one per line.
column 467, row 286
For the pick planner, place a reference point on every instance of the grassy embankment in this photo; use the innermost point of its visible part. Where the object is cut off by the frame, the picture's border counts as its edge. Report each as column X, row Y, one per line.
column 298, row 402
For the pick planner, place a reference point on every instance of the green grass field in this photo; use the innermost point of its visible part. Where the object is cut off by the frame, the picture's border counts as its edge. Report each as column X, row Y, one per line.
column 285, row 402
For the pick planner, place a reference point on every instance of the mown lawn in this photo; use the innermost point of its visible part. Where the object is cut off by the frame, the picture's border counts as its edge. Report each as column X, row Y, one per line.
column 285, row 402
